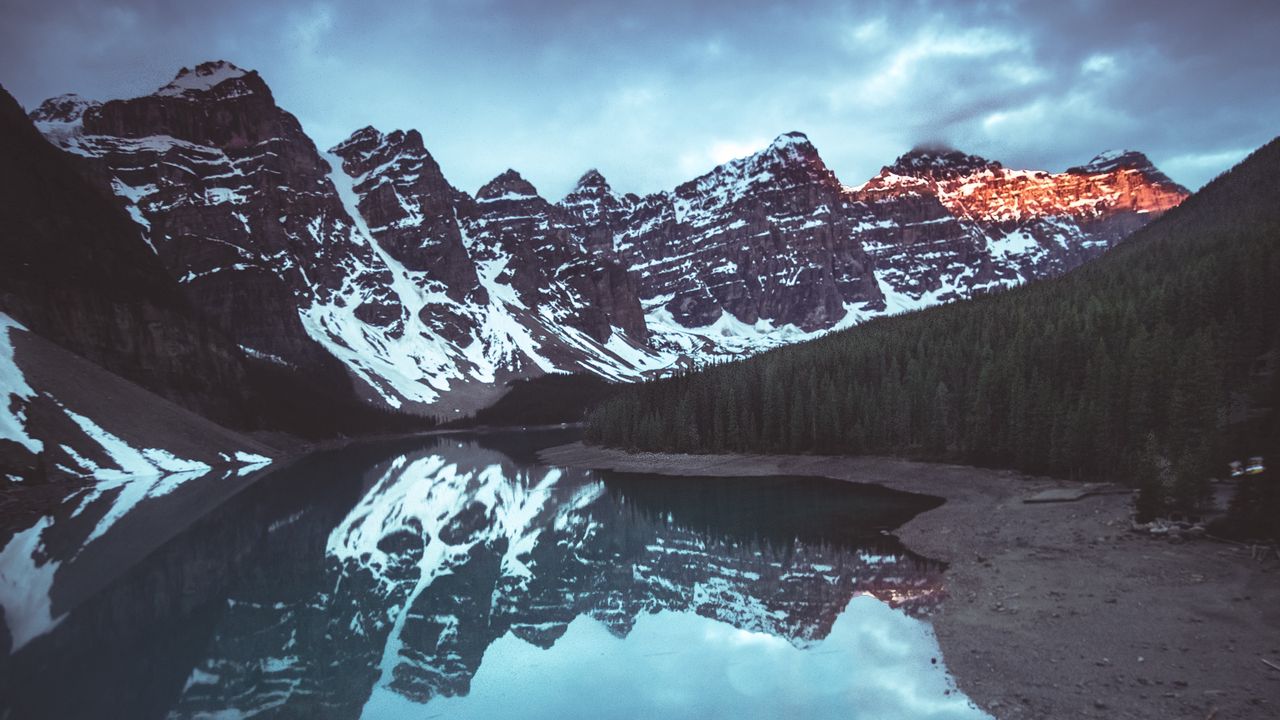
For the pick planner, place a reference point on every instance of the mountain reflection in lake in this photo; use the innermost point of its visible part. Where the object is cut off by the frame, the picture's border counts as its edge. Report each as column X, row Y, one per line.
column 456, row 577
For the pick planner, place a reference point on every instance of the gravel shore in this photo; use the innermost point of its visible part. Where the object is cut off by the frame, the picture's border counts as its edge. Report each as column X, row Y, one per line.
column 1057, row 610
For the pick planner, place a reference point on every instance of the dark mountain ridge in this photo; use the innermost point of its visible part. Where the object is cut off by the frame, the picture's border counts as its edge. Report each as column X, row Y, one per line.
column 366, row 261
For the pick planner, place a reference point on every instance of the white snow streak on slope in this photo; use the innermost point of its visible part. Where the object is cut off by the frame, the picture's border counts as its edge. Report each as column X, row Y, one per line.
column 132, row 490
column 131, row 461
column 13, row 382
column 503, row 336
column 143, row 474
column 729, row 338
column 420, row 364
column 25, row 584
column 898, row 302
column 725, row 338
column 504, row 333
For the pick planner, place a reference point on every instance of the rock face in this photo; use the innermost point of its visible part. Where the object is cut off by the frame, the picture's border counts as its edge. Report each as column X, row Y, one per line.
column 546, row 262
column 371, row 259
column 424, row 293
column 1035, row 224
column 758, row 238
column 106, row 369
column 411, row 209
column 499, row 284
column 75, row 270
column 238, row 205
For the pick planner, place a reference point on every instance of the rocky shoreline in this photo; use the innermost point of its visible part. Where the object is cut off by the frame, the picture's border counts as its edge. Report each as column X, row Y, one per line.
column 1057, row 609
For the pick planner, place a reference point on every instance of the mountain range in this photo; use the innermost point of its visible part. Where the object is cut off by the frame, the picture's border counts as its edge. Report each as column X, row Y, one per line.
column 210, row 244
column 1154, row 365
column 431, row 296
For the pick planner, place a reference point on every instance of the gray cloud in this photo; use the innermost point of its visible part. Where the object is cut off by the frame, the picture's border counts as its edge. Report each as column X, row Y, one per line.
column 654, row 93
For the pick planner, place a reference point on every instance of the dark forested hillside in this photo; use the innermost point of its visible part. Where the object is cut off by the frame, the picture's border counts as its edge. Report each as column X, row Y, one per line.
column 1133, row 366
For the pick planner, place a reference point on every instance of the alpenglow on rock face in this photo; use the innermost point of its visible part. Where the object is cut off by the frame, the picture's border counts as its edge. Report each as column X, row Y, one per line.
column 432, row 298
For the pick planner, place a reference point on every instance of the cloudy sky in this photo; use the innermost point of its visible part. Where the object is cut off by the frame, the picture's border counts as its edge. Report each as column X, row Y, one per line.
column 654, row 92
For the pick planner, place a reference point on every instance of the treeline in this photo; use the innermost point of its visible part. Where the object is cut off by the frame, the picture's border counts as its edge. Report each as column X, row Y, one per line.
column 1131, row 367
column 544, row 400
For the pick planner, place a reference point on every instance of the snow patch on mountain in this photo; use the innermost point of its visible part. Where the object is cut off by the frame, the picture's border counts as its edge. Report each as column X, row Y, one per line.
column 1013, row 244
column 61, row 118
column 130, row 462
column 436, row 291
column 14, row 391
column 509, row 331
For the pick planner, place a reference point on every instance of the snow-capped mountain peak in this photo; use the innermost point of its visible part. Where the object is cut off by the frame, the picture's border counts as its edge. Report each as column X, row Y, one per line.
column 789, row 161
column 63, row 108
column 203, row 78
column 372, row 152
column 1110, row 160
column 425, row 293
column 792, row 145
column 61, row 118
column 1113, row 161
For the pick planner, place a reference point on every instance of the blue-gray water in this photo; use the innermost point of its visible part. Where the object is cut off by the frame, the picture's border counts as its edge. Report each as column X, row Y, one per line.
column 456, row 577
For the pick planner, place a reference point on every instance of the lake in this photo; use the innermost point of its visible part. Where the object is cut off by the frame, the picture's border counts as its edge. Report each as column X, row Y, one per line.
column 454, row 576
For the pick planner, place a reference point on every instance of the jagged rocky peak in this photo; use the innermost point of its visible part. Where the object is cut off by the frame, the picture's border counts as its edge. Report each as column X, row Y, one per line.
column 593, row 200
column 790, row 153
column 1112, row 160
column 215, row 75
column 507, row 186
column 793, row 146
column 410, row 139
column 939, row 160
column 602, row 211
column 368, row 148
column 67, row 108
column 367, row 136
column 593, row 189
column 592, row 181
column 788, row 162
column 358, row 151
column 216, row 104
column 1117, row 160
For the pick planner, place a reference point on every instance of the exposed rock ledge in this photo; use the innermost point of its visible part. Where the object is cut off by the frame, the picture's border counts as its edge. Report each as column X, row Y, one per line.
column 1056, row 610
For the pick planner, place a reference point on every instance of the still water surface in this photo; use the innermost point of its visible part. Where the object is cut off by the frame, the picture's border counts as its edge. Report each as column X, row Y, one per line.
column 456, row 577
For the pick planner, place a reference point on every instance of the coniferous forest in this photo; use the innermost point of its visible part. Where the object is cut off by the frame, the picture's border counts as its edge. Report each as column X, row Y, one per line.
column 1153, row 365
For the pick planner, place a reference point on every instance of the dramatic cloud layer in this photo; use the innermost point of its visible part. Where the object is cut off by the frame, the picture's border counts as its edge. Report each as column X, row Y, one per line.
column 656, row 92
